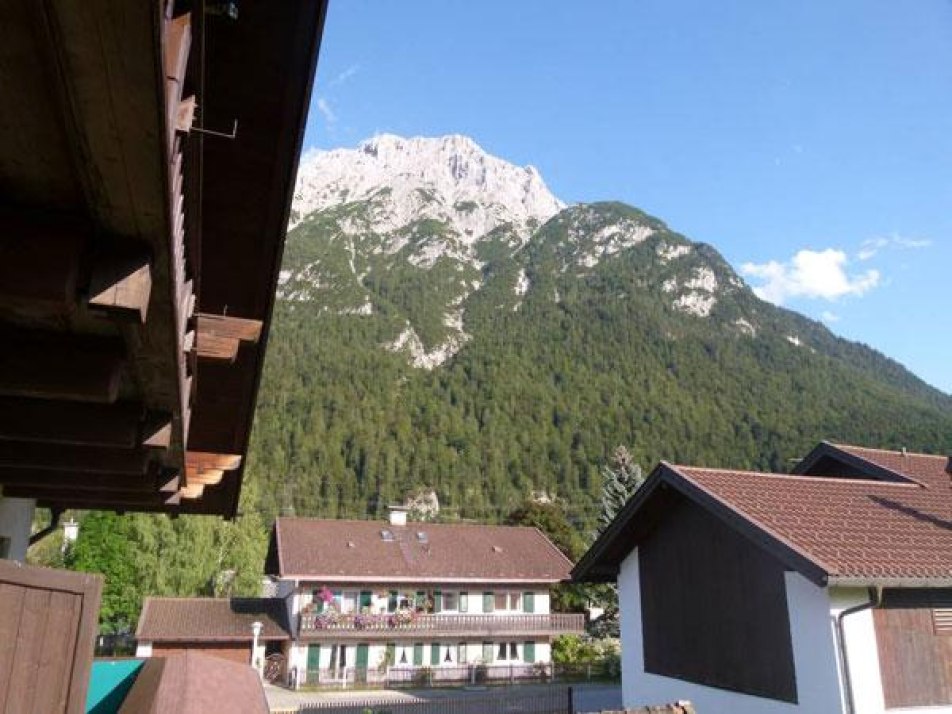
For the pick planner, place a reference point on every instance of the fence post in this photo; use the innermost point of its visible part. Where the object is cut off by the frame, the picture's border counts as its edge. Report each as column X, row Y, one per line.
column 510, row 673
column 589, row 672
column 472, row 674
column 571, row 709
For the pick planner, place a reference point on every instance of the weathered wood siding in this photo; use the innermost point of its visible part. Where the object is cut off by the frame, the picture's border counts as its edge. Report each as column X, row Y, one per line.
column 915, row 660
column 714, row 607
column 48, row 622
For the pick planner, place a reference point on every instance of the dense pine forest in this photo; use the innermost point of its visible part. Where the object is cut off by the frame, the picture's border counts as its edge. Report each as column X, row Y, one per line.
column 498, row 368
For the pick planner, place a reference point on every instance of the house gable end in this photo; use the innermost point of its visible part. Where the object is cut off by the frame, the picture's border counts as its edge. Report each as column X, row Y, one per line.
column 714, row 607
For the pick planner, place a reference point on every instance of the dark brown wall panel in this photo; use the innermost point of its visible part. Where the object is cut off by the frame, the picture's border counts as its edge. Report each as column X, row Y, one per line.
column 714, row 607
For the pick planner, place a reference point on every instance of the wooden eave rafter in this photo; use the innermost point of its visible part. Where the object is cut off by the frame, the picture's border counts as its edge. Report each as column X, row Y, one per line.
column 111, row 194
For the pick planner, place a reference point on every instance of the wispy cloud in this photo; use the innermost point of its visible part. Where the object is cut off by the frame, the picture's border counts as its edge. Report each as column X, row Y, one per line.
column 870, row 248
column 344, row 76
column 828, row 316
column 324, row 107
column 813, row 274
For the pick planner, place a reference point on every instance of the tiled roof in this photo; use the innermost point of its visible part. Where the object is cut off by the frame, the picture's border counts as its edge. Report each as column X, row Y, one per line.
column 194, row 683
column 850, row 528
column 356, row 550
column 894, row 527
column 166, row 619
column 927, row 469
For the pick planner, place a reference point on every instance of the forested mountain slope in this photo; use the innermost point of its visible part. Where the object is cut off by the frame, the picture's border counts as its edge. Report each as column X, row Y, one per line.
column 448, row 324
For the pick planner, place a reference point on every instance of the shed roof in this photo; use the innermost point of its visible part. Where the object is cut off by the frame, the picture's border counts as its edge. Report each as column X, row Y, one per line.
column 171, row 619
column 344, row 550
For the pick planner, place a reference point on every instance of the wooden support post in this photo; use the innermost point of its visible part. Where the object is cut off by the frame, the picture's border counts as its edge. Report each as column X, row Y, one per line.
column 207, row 459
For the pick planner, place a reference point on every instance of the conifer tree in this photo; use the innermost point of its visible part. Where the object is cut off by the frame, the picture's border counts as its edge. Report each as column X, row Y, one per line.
column 620, row 479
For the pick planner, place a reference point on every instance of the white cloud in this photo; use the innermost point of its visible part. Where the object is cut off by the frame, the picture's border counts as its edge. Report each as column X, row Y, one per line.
column 870, row 248
column 344, row 76
column 809, row 274
column 324, row 107
column 828, row 316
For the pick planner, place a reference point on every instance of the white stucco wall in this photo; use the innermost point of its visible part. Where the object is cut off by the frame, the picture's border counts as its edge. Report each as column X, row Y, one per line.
column 813, row 651
column 16, row 521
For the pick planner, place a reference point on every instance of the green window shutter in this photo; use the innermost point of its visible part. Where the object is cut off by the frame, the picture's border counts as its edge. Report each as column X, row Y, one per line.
column 487, row 652
column 363, row 656
column 438, row 601
column 420, row 599
column 464, row 602
column 528, row 602
column 434, row 654
column 365, row 598
column 487, row 602
column 313, row 658
column 528, row 652
column 392, row 602
column 418, row 654
column 391, row 653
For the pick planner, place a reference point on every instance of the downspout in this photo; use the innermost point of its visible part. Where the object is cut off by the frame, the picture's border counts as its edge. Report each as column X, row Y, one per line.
column 55, row 514
column 875, row 600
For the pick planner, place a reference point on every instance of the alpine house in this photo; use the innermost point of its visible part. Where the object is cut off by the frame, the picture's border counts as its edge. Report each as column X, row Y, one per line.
column 405, row 600
column 825, row 590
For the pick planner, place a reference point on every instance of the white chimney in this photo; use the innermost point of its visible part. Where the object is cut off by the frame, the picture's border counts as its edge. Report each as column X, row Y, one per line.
column 70, row 531
column 398, row 515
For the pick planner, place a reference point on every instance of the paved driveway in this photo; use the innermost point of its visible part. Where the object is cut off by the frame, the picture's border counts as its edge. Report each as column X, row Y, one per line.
column 587, row 697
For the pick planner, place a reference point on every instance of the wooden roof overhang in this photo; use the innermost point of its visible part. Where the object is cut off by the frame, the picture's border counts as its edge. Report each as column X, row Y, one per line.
column 138, row 256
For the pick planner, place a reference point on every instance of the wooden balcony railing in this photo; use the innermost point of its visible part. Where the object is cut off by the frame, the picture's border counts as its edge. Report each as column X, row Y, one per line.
column 336, row 626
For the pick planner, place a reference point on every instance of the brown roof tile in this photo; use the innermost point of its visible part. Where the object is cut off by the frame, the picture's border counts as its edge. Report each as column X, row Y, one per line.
column 354, row 550
column 927, row 469
column 211, row 619
column 851, row 528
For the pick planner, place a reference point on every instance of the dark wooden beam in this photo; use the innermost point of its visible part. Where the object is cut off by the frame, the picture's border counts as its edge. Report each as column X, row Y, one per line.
column 225, row 326
column 91, row 500
column 40, row 261
column 121, row 280
column 86, row 459
column 40, row 480
column 215, row 347
column 60, row 366
column 116, row 425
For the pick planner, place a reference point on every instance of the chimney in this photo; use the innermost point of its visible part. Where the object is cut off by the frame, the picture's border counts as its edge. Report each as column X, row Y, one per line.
column 398, row 515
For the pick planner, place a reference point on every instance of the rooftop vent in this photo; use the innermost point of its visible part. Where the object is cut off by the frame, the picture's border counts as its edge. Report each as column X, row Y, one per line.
column 351, row 544
column 497, row 549
column 386, row 535
column 422, row 537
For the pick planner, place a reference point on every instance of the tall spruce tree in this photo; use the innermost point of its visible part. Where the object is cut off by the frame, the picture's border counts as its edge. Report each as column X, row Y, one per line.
column 620, row 479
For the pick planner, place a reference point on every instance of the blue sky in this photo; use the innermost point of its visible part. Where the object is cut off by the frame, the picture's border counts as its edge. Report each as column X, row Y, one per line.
column 809, row 141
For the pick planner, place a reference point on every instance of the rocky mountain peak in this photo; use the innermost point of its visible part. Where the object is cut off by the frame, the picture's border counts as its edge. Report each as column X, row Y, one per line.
column 449, row 179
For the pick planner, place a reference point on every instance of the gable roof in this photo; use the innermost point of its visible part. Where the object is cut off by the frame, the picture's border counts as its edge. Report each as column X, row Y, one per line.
column 347, row 550
column 847, row 531
column 196, row 619
column 877, row 464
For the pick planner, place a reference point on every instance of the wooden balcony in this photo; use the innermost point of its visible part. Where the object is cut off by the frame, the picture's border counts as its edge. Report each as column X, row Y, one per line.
column 394, row 626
